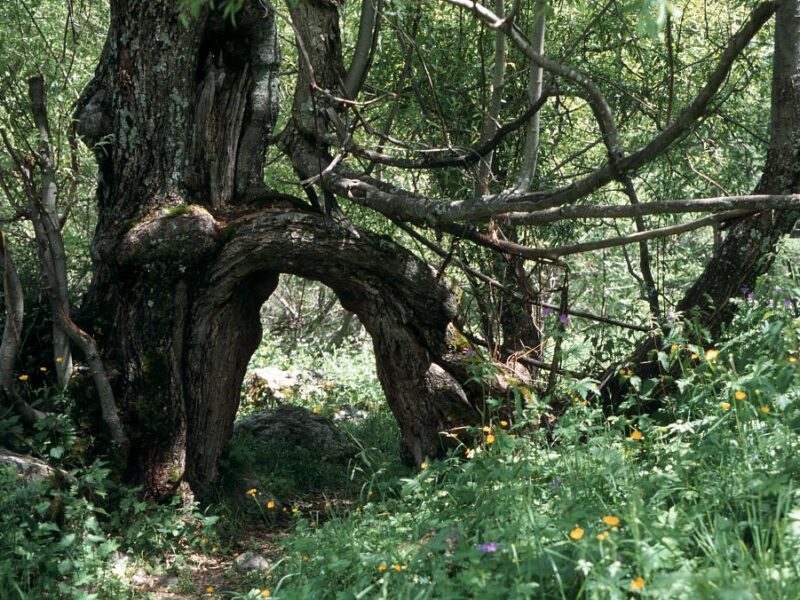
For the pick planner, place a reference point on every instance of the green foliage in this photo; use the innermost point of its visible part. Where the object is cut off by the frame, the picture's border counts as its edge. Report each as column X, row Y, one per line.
column 705, row 496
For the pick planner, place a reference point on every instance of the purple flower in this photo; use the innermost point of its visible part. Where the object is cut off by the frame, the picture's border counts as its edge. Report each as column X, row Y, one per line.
column 671, row 317
column 563, row 318
column 744, row 289
column 488, row 547
column 787, row 303
column 469, row 352
column 751, row 296
column 548, row 311
column 556, row 483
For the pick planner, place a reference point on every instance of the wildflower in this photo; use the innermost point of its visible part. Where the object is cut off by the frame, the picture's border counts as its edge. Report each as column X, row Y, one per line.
column 503, row 423
column 637, row 435
column 295, row 510
column 23, row 377
column 764, row 409
column 671, row 317
column 711, row 355
column 637, row 583
column 59, row 360
column 601, row 536
column 235, row 554
column 397, row 567
column 43, row 369
column 315, row 410
column 469, row 352
column 265, row 593
column 548, row 311
column 490, row 439
column 382, row 567
column 470, row 452
column 485, row 429
column 488, row 547
column 252, row 492
column 674, row 347
column 271, row 504
column 210, row 589
column 787, row 303
column 694, row 356
column 576, row 533
column 751, row 296
column 792, row 359
column 423, row 466
column 564, row 319
column 556, row 483
column 611, row 520
column 740, row 395
column 725, row 405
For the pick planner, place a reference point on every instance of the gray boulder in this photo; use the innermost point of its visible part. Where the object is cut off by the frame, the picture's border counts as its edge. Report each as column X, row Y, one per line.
column 294, row 426
column 29, row 468
column 250, row 561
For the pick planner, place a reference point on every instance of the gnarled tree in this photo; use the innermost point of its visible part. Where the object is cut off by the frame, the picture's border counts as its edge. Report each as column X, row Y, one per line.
column 191, row 238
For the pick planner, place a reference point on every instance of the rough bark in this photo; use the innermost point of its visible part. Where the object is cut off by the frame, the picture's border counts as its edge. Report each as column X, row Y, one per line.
column 190, row 241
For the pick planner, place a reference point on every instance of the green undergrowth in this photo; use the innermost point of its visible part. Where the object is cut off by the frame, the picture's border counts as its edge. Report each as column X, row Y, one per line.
column 699, row 500
column 696, row 500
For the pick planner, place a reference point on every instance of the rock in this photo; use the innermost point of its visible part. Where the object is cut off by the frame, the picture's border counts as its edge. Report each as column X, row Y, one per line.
column 29, row 468
column 250, row 561
column 347, row 413
column 272, row 386
column 294, row 426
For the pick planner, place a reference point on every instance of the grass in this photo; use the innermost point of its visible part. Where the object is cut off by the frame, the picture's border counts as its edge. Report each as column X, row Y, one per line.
column 697, row 500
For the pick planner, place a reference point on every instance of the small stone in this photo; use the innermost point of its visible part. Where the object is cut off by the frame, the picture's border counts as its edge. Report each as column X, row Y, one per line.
column 250, row 561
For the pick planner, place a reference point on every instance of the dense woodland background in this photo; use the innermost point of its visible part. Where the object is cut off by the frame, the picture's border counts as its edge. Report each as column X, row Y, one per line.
column 526, row 269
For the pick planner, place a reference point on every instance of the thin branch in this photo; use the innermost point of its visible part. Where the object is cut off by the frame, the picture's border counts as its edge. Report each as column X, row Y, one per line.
column 752, row 202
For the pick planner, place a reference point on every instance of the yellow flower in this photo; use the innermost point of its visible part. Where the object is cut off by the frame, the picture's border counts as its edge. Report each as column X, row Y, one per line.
column 503, row 423
column 694, row 355
column 725, row 405
column 252, row 492
column 397, row 567
column 315, row 410
column 23, row 377
column 740, row 395
column 469, row 452
column 59, row 360
column 637, row 435
column 711, row 355
column 601, row 536
column 265, row 594
column 382, row 567
column 485, row 429
column 764, row 409
column 210, row 589
column 295, row 510
column 611, row 520
column 43, row 369
column 674, row 347
column 490, row 439
column 423, row 466
column 271, row 504
column 637, row 583
column 235, row 554
column 792, row 359
column 576, row 533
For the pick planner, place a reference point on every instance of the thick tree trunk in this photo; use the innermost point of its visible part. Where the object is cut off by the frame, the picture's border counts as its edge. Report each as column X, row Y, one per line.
column 748, row 249
column 190, row 242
